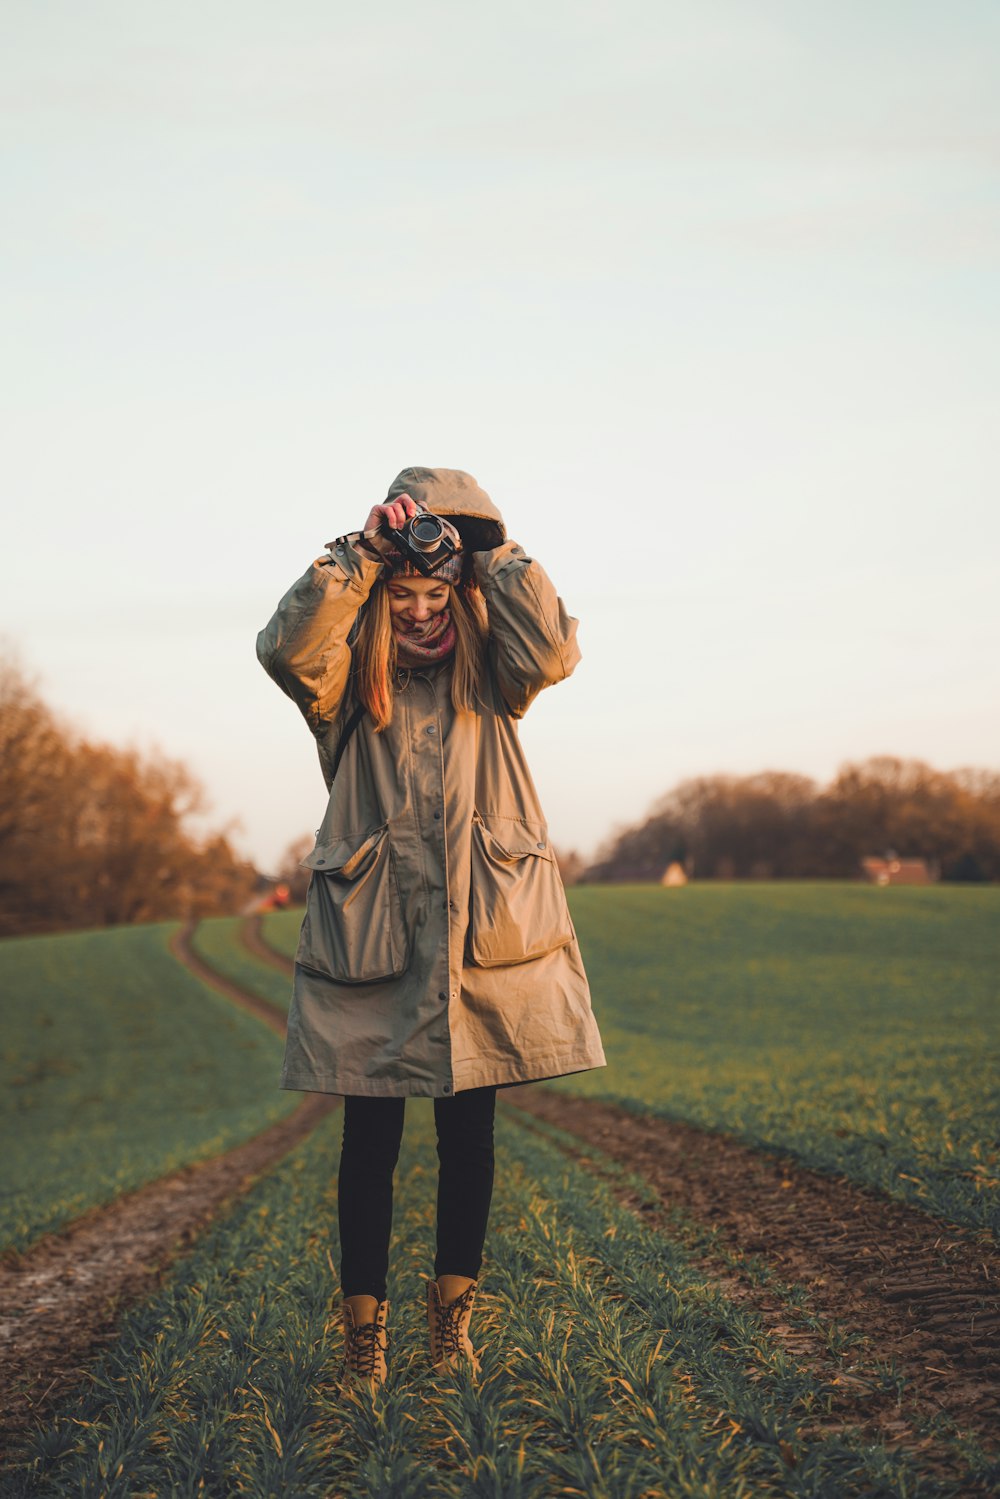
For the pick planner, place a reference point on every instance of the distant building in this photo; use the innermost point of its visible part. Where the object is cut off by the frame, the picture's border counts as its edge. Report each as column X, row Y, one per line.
column 891, row 870
column 674, row 875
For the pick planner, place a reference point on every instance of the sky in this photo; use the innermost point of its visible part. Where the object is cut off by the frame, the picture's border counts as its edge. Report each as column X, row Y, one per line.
column 704, row 293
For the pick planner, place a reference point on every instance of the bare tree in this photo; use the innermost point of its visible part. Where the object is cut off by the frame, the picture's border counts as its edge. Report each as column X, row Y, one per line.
column 778, row 825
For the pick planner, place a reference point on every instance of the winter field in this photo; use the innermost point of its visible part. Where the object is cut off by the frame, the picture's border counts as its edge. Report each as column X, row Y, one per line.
column 118, row 1067
column 674, row 1300
column 857, row 1028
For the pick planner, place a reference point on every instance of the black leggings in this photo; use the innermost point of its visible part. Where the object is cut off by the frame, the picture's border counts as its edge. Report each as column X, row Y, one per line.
column 373, row 1129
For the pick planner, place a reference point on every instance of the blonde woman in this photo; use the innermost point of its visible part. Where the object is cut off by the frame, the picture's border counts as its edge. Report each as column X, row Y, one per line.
column 437, row 957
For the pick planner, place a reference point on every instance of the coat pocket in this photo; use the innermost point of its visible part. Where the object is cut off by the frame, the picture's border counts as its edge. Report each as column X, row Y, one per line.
column 353, row 929
column 517, row 906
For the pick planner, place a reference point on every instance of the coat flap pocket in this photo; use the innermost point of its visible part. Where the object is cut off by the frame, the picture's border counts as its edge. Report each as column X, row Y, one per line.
column 517, row 905
column 344, row 856
column 353, row 931
column 515, row 838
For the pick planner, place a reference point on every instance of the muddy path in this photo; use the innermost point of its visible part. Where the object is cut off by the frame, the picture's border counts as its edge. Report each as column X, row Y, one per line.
column 63, row 1298
column 910, row 1291
column 922, row 1295
column 183, row 951
column 253, row 939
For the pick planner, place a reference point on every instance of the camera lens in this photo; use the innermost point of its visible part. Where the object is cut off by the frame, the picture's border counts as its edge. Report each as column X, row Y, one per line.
column 425, row 532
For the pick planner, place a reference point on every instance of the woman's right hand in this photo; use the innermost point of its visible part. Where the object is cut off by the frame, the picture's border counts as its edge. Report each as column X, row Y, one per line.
column 395, row 512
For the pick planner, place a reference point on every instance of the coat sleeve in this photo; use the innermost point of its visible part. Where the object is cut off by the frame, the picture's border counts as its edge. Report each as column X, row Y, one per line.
column 533, row 639
column 304, row 646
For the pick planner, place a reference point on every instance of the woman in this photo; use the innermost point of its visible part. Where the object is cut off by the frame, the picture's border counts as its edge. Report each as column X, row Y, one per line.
column 437, row 956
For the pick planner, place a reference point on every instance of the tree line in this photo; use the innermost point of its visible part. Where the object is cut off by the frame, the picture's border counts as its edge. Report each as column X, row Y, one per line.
column 92, row 835
column 777, row 825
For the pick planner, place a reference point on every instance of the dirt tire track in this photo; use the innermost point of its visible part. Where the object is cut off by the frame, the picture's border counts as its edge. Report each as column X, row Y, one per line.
column 183, row 951
column 923, row 1293
column 253, row 939
column 63, row 1298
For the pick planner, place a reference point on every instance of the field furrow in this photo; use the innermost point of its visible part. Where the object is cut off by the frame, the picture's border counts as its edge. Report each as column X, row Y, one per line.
column 670, row 1305
column 887, row 1363
column 254, row 937
column 855, row 1029
column 211, row 951
column 118, row 1067
column 63, row 1297
column 61, row 1300
column 611, row 1366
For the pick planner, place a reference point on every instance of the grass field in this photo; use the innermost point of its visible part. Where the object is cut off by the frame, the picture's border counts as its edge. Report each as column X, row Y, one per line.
column 281, row 930
column 624, row 1356
column 857, row 1028
column 611, row 1367
column 117, row 1066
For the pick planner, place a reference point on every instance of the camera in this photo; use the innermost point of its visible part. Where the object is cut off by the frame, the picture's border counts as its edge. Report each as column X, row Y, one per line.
column 425, row 540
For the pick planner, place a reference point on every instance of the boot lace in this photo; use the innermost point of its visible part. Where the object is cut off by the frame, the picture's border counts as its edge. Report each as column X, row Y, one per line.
column 362, row 1347
column 450, row 1325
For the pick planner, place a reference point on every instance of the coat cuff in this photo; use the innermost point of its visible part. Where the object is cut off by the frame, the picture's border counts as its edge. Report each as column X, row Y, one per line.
column 498, row 561
column 357, row 564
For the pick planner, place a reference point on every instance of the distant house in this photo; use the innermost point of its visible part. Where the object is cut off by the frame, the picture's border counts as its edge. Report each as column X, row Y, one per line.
column 890, row 870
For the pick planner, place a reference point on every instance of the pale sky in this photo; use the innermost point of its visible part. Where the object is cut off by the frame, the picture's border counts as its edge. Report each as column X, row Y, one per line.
column 704, row 294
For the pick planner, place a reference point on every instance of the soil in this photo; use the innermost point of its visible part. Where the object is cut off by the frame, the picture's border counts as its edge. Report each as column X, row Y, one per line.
column 64, row 1297
column 911, row 1289
column 922, row 1294
column 915, row 1291
column 180, row 946
column 253, row 939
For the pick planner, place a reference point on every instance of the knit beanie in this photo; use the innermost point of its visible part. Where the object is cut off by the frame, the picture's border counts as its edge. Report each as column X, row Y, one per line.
column 399, row 566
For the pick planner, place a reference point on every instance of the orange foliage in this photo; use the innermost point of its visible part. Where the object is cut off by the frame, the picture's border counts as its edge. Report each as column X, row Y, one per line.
column 91, row 835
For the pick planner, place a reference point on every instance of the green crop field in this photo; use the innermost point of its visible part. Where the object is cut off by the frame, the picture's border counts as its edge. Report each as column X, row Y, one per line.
column 857, row 1028
column 623, row 1354
column 281, row 930
column 218, row 942
column 117, row 1066
column 611, row 1367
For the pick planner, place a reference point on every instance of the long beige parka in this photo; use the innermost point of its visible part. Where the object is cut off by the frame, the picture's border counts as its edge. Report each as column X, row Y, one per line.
column 437, row 951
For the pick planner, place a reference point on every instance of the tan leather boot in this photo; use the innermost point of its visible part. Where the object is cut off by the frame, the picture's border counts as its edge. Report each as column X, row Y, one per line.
column 449, row 1328
column 365, row 1341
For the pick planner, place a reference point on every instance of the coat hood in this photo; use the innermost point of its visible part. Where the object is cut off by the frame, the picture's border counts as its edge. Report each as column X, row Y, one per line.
column 452, row 493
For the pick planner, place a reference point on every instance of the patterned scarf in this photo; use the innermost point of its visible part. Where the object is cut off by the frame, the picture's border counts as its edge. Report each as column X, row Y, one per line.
column 426, row 643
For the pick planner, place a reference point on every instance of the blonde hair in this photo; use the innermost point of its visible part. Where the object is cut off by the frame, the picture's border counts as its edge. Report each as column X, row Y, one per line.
column 374, row 651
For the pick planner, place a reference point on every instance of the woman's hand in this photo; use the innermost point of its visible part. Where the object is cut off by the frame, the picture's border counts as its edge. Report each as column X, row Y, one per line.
column 395, row 512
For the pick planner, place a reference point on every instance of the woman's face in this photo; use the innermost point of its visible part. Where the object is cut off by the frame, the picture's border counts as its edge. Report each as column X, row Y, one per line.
column 414, row 600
